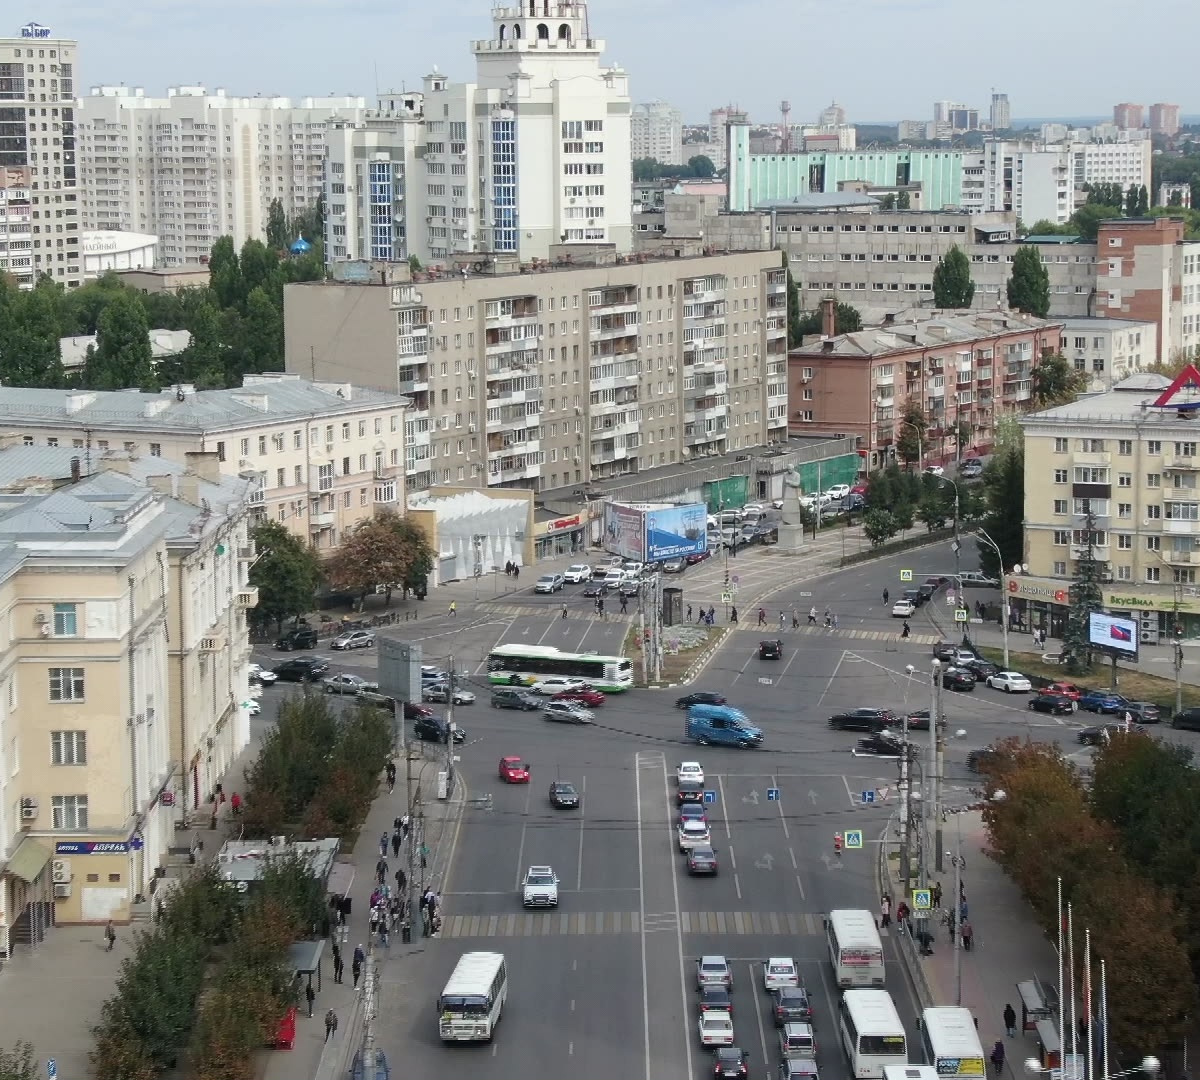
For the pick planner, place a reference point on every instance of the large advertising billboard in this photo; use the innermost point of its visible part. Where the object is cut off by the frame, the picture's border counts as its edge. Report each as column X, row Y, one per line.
column 1113, row 634
column 625, row 531
column 674, row 532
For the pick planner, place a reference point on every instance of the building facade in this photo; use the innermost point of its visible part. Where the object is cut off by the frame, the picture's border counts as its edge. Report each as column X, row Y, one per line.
column 577, row 372
column 321, row 456
column 1000, row 115
column 1164, row 119
column 1127, row 459
column 194, row 166
column 1127, row 116
column 40, row 189
column 125, row 658
column 656, row 131
column 1108, row 351
column 964, row 371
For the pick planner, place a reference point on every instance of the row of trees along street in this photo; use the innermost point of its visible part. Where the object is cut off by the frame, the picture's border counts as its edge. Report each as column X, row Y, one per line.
column 386, row 551
column 208, row 982
column 1127, row 848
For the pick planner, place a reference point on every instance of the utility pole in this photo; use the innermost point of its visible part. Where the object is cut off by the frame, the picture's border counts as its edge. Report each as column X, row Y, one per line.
column 930, row 809
column 450, row 729
column 905, row 854
column 656, row 622
column 937, row 729
column 958, row 948
column 642, row 636
column 410, row 810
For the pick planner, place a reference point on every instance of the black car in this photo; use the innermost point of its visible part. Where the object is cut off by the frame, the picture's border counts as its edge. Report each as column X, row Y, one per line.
column 700, row 697
column 730, row 1063
column 862, row 720
column 919, row 720
column 1094, row 736
column 885, row 743
column 1055, row 704
column 690, row 791
column 302, row 669
column 435, row 729
column 791, row 1004
column 629, row 589
column 979, row 760
column 981, row 669
column 715, row 999
column 770, row 650
column 945, row 650
column 302, row 637
column 595, row 588
column 511, row 697
column 915, row 597
column 563, row 795
column 1187, row 720
column 957, row 678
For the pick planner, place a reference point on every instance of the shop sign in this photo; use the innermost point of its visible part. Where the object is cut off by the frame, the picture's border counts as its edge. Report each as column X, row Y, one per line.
column 545, row 528
column 1032, row 588
column 91, row 847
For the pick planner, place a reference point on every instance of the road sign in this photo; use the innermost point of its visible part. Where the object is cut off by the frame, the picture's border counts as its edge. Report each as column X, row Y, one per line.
column 710, row 796
column 962, row 615
column 906, row 575
column 51, row 1068
column 726, row 596
column 772, row 794
column 867, row 797
column 922, row 899
column 854, row 839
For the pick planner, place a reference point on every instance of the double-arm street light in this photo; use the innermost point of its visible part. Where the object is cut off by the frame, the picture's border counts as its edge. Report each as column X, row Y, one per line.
column 1003, row 590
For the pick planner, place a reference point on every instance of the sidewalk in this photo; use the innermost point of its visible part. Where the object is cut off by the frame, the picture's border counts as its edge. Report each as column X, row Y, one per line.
column 1009, row 947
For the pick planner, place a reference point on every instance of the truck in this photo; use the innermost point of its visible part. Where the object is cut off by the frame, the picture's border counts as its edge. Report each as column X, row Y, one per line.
column 721, row 725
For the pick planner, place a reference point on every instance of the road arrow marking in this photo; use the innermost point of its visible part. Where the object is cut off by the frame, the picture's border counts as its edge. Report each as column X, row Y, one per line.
column 765, row 863
column 813, row 797
column 751, row 798
column 831, row 863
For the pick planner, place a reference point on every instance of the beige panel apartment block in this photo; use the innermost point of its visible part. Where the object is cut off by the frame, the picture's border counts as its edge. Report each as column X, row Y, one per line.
column 563, row 374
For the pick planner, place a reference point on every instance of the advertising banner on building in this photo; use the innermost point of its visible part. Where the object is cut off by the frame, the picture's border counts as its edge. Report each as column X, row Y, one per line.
column 674, row 532
column 625, row 531
column 1113, row 634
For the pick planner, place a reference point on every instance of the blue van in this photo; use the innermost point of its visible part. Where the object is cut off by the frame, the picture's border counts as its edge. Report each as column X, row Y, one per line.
column 721, row 725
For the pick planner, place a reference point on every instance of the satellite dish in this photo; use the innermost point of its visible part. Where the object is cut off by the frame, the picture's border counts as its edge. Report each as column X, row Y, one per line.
column 1018, row 569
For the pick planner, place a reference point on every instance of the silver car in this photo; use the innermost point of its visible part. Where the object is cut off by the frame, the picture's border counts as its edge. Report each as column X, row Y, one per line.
column 567, row 712
column 353, row 639
column 347, row 684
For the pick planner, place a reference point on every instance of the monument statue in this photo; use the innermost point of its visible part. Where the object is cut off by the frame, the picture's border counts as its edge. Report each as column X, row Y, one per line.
column 793, row 489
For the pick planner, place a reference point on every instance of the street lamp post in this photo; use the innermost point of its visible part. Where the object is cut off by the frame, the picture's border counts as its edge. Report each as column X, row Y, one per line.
column 1003, row 592
column 937, row 745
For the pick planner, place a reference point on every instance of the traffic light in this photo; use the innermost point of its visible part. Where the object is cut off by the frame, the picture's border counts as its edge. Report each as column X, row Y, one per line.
column 837, row 844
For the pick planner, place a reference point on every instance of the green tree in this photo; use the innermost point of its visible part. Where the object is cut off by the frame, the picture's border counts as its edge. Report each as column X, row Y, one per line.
column 888, row 202
column 911, row 429
column 1029, row 285
column 903, row 200
column 1086, row 598
column 1004, row 502
column 1086, row 221
column 260, row 270
column 287, row 573
column 373, row 553
column 260, row 347
column 165, row 310
column 1056, row 382
column 81, row 308
column 952, row 284
column 225, row 275
column 277, row 227
column 30, row 353
column 795, row 333
column 420, row 552
column 702, row 167
column 122, row 357
column 645, row 169
column 203, row 361
column 19, row 1063
column 1131, row 201
column 1143, row 201
column 879, row 526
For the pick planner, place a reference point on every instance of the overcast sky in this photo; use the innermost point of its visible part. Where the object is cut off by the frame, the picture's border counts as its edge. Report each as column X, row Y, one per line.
column 881, row 59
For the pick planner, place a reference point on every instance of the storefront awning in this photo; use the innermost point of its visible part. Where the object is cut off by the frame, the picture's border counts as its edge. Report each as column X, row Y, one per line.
column 28, row 860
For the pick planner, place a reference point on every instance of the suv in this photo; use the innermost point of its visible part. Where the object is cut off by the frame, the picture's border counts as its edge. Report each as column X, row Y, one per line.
column 302, row 669
column 540, row 887
column 549, row 583
column 302, row 637
column 1188, row 720
column 510, row 697
column 431, row 728
column 797, row 1041
column 770, row 650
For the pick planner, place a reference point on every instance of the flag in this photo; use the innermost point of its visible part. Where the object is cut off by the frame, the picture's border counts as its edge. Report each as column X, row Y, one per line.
column 1119, row 633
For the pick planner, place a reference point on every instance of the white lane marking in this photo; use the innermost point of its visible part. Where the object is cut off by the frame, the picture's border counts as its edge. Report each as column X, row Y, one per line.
column 800, row 886
column 742, row 670
column 829, row 682
column 737, row 885
column 572, row 1004
column 588, row 630
column 683, row 990
column 482, row 666
column 637, row 783
column 521, row 848
column 758, row 1015
column 582, row 811
column 570, row 1049
column 724, row 814
column 732, row 859
column 850, row 794
column 782, row 816
column 795, row 653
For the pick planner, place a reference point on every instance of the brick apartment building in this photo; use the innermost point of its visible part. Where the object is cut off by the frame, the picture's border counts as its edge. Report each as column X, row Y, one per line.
column 960, row 366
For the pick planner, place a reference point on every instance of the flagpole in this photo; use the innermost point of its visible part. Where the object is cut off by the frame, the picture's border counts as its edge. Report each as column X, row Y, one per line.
column 1062, row 999
column 1073, row 1018
column 1087, row 1000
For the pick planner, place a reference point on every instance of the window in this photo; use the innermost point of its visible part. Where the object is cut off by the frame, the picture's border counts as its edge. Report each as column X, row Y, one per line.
column 69, row 812
column 1091, row 446
column 1152, row 574
column 156, row 449
column 1183, row 577
column 1060, row 446
column 1154, row 513
column 1153, row 446
column 1060, row 506
column 1185, row 449
column 66, row 684
column 1060, row 569
column 1061, row 476
column 1124, row 573
column 1153, row 543
column 1124, row 542
column 1125, row 510
column 1124, row 479
column 1062, row 537
column 1153, row 480
column 68, row 748
column 325, row 477
column 65, row 624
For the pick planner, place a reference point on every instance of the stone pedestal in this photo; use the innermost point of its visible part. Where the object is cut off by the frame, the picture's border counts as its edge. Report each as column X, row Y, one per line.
column 791, row 539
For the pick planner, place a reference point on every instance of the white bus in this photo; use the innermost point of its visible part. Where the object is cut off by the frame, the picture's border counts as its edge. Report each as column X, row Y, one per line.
column 470, row 1006
column 872, row 1034
column 951, row 1043
column 522, row 665
column 854, row 948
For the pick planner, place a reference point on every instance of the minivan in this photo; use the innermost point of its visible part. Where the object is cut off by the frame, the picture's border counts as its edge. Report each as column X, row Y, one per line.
column 797, row 1041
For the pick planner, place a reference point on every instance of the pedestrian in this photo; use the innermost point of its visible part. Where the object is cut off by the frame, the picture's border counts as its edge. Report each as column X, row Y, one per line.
column 795, row 619
column 762, row 616
column 600, row 608
column 732, row 615
column 1010, row 1021
column 812, row 616
column 453, row 608
column 383, row 932
column 885, row 596
column 383, row 846
column 962, row 911
column 235, row 804
column 356, row 970
column 997, row 1056
column 373, row 921
column 396, row 838
column 712, row 614
column 330, row 1024
column 901, row 916
column 401, row 880
column 967, row 933
column 110, row 936
column 835, row 624
column 689, row 613
column 339, row 966
column 885, row 912
column 405, row 824
column 624, row 604
column 905, row 630
column 310, row 995
column 381, row 871
column 827, row 616
column 828, row 621
column 781, row 620
column 390, row 768
column 564, row 611
column 937, row 894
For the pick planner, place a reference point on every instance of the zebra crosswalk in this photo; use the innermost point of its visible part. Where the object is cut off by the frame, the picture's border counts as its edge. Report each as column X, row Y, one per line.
column 595, row 923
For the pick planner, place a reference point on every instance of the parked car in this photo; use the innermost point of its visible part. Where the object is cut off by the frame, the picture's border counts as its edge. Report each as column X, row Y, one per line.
column 353, row 639
column 263, row 676
column 1141, row 712
column 1011, row 682
column 1094, row 736
column 302, row 637
column 1055, row 704
column 1187, row 720
column 1102, row 701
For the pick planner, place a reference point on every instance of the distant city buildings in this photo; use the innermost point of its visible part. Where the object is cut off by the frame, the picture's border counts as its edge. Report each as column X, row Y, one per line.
column 1164, row 119
column 656, row 131
column 1127, row 116
column 39, row 176
column 832, row 115
column 1001, row 114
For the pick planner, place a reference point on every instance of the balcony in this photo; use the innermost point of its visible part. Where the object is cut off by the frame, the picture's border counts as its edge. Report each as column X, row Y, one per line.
column 620, row 299
column 1181, row 495
column 610, row 450
column 386, row 492
column 212, row 643
column 1082, row 458
column 693, row 436
column 246, row 596
column 1181, row 464
column 1179, row 527
column 503, row 447
column 1182, row 558
column 524, row 307
column 317, row 522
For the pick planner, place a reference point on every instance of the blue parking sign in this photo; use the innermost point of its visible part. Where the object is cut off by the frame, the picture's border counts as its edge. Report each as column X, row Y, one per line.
column 867, row 797
column 772, row 794
column 710, row 796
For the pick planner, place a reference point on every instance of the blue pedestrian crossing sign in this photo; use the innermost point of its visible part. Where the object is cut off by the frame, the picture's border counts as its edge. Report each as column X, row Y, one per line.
column 51, row 1068
column 906, row 575
column 867, row 797
column 710, row 796
column 772, row 794
column 922, row 899
column 854, row 839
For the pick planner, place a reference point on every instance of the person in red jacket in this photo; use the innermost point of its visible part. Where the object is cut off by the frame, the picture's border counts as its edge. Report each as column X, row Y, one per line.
column 235, row 804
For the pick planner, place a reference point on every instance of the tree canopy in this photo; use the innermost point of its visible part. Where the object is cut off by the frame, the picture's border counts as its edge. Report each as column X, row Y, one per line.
column 952, row 285
column 387, row 550
column 847, row 319
column 1056, row 382
column 1029, row 284
column 698, row 167
column 1004, row 508
column 287, row 573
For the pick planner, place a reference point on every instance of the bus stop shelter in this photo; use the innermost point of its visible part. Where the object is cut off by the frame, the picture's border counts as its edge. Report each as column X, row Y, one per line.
column 305, row 959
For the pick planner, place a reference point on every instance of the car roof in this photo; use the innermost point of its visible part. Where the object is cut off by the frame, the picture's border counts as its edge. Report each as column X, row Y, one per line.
column 713, row 960
column 541, row 870
column 509, row 759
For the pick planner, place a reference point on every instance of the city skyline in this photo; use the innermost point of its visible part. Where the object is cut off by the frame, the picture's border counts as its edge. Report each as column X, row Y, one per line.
column 137, row 50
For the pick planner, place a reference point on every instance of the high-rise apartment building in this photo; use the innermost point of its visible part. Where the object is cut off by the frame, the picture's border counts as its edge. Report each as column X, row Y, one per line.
column 194, row 166
column 585, row 370
column 39, row 185
column 1127, row 116
column 833, row 115
column 1164, row 119
column 1001, row 115
column 656, row 131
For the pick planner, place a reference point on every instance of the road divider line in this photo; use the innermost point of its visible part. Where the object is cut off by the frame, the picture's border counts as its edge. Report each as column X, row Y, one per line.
column 521, row 848
column 737, row 885
column 850, row 794
column 800, row 886
column 582, row 811
column 829, row 682
column 724, row 812
column 758, row 1014
column 782, row 816
column 637, row 784
column 683, row 994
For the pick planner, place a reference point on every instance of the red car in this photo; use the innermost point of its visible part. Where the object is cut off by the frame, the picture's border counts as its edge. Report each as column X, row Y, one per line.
column 514, row 771
column 1064, row 689
column 587, row 696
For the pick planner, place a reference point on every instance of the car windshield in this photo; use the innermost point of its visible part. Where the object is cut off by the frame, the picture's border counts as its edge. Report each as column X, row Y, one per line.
column 514, row 763
column 539, row 879
column 565, row 789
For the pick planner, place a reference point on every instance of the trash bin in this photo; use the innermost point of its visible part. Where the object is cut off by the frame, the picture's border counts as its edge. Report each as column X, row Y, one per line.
column 406, row 932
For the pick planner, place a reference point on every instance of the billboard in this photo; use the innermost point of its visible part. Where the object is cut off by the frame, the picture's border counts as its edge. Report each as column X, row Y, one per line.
column 673, row 532
column 1113, row 634
column 625, row 531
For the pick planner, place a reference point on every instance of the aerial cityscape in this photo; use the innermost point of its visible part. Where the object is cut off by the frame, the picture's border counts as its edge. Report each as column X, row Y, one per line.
column 524, row 534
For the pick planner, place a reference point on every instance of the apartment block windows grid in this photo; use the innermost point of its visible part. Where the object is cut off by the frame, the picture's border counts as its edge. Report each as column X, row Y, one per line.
column 380, row 197
column 504, row 185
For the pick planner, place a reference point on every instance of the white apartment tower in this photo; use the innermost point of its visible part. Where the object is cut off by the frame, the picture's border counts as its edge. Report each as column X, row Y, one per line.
column 39, row 189
column 657, row 132
column 194, row 166
column 1001, row 115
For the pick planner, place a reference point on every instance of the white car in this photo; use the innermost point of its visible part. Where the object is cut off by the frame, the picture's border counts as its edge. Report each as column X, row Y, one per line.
column 630, row 567
column 693, row 833
column 716, row 1028
column 260, row 674
column 689, row 770
column 780, row 971
column 713, row 970
column 556, row 684
column 577, row 573
column 902, row 609
column 347, row 684
column 252, row 707
column 1011, row 682
column 935, row 470
column 838, row 491
column 540, row 887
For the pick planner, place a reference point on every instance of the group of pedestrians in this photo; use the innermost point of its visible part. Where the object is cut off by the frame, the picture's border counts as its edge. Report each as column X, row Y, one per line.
column 512, row 570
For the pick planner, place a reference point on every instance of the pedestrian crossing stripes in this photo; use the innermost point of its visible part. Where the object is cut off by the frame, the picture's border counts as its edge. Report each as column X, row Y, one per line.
column 594, row 923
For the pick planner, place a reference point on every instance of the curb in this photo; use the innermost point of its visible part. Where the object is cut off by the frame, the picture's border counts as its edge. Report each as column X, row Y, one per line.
column 903, row 942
